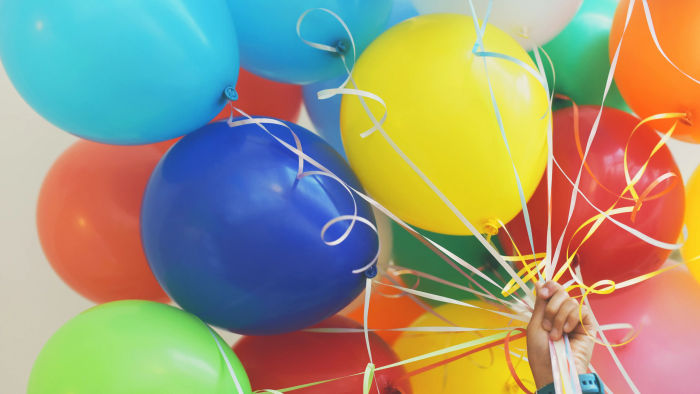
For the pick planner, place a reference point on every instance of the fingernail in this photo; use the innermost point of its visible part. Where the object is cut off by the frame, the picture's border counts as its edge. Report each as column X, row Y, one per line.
column 566, row 327
column 547, row 325
column 554, row 334
column 544, row 291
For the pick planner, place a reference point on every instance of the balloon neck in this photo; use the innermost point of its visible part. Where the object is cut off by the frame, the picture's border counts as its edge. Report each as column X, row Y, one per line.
column 371, row 272
column 230, row 93
column 687, row 119
column 524, row 32
column 491, row 227
column 341, row 47
column 392, row 390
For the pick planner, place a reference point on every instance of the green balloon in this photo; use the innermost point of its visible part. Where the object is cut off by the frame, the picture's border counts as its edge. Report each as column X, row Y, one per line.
column 409, row 252
column 135, row 347
column 580, row 57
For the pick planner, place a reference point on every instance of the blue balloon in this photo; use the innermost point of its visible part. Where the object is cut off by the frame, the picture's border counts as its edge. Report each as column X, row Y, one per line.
column 271, row 48
column 325, row 114
column 235, row 238
column 402, row 10
column 121, row 71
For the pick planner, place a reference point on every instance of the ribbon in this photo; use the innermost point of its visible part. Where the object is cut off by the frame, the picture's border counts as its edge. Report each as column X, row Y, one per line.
column 489, row 341
column 506, row 346
column 239, row 389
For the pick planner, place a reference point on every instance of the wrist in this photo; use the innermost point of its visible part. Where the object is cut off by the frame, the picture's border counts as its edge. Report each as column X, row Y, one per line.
column 542, row 377
column 590, row 384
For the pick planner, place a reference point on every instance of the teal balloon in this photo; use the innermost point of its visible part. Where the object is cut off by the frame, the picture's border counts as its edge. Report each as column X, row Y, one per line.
column 409, row 252
column 325, row 114
column 271, row 48
column 136, row 347
column 121, row 71
column 580, row 57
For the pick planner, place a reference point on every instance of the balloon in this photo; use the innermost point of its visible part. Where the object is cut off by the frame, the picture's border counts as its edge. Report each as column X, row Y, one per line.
column 260, row 96
column 611, row 252
column 271, row 48
column 88, row 220
column 691, row 249
column 411, row 253
column 325, row 114
column 658, row 87
column 483, row 372
column 580, row 56
column 384, row 259
column 234, row 237
column 388, row 308
column 400, row 11
column 121, row 72
column 532, row 23
column 441, row 116
column 664, row 310
column 137, row 347
column 281, row 361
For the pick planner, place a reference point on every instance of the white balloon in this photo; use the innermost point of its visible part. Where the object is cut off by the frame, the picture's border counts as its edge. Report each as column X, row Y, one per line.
column 531, row 22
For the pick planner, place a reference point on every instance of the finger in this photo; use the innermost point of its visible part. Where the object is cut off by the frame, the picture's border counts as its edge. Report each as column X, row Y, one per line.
column 573, row 320
column 552, row 308
column 547, row 290
column 568, row 308
column 586, row 318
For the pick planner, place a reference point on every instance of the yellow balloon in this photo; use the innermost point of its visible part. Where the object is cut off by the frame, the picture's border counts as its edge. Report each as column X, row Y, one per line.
column 482, row 372
column 440, row 114
column 691, row 249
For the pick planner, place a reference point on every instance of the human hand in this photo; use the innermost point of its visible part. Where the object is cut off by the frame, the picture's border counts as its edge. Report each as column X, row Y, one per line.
column 556, row 314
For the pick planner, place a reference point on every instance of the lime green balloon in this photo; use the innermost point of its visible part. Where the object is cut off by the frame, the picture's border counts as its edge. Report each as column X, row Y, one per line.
column 580, row 56
column 409, row 252
column 135, row 347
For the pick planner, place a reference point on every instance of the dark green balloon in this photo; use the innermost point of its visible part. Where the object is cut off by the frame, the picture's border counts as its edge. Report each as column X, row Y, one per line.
column 580, row 57
column 411, row 253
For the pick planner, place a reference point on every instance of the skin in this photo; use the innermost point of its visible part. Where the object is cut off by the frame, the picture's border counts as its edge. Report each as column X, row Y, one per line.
column 556, row 314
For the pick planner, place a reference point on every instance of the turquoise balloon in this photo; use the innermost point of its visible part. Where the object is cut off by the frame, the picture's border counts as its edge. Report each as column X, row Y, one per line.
column 325, row 114
column 580, row 56
column 271, row 48
column 121, row 71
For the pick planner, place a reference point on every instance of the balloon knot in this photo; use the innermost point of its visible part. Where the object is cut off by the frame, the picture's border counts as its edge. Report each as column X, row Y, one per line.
column 341, row 47
column 371, row 272
column 687, row 119
column 392, row 390
column 491, row 227
column 524, row 32
column 230, row 93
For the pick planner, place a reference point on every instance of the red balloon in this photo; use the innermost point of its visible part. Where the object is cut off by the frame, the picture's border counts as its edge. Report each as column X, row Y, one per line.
column 260, row 96
column 611, row 252
column 665, row 355
column 88, row 220
column 282, row 361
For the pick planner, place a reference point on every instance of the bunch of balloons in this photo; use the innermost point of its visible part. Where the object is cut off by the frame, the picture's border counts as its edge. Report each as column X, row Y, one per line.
column 506, row 140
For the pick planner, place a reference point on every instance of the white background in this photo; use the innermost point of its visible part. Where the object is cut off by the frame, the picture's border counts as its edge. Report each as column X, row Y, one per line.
column 34, row 301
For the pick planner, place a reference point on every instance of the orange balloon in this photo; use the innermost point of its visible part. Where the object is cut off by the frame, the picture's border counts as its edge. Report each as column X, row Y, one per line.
column 88, row 220
column 260, row 96
column 387, row 311
column 647, row 81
